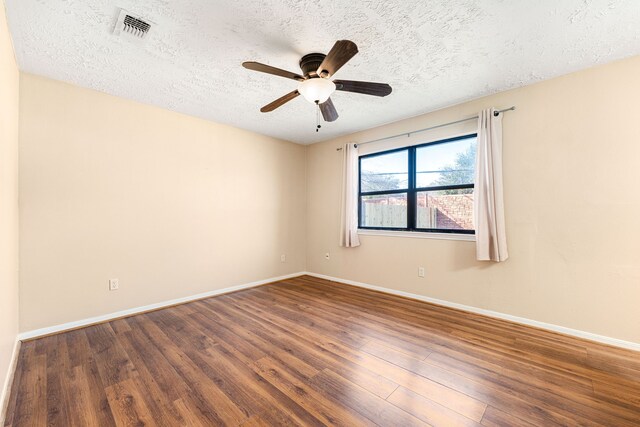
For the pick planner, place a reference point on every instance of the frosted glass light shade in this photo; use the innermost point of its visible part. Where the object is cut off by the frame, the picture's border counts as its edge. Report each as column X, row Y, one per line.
column 316, row 89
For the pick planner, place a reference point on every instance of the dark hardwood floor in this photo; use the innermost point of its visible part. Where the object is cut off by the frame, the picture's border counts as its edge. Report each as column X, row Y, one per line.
column 306, row 351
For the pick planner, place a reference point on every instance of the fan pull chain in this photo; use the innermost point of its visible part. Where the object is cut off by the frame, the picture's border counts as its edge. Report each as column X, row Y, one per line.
column 318, row 117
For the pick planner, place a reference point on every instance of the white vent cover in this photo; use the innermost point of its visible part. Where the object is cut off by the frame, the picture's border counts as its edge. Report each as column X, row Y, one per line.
column 131, row 26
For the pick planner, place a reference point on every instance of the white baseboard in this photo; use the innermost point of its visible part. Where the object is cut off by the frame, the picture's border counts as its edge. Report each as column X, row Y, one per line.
column 524, row 321
column 136, row 310
column 8, row 381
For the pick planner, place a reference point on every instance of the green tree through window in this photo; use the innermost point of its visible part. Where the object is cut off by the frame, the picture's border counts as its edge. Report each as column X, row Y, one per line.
column 462, row 170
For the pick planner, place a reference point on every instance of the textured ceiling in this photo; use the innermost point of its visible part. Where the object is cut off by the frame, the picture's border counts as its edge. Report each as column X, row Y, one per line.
column 434, row 53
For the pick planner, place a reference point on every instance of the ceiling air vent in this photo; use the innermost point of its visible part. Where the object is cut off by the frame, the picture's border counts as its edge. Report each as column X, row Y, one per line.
column 131, row 26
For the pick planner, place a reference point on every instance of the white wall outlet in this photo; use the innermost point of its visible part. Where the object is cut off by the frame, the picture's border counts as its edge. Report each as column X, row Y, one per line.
column 420, row 271
column 327, row 256
column 114, row 285
column 283, row 258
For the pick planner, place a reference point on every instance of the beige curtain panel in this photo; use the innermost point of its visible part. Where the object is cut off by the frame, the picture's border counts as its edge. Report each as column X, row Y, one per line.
column 349, row 212
column 488, row 208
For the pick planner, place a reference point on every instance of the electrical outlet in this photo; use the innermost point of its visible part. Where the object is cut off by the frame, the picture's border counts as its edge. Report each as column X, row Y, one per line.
column 327, row 256
column 420, row 271
column 114, row 285
column 283, row 258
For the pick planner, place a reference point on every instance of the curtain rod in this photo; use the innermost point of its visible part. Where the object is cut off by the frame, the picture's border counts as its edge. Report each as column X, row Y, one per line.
column 430, row 128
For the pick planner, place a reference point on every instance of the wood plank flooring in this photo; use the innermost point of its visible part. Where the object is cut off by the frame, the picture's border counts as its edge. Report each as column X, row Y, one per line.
column 307, row 351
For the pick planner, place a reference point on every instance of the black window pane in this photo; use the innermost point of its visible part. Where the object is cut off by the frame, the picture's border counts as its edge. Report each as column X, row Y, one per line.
column 384, row 172
column 450, row 163
column 387, row 211
column 445, row 209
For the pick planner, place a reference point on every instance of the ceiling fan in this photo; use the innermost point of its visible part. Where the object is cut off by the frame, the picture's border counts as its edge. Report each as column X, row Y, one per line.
column 315, row 85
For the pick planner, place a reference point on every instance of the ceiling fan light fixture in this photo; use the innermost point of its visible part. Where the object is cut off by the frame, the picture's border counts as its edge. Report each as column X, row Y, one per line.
column 316, row 90
column 314, row 84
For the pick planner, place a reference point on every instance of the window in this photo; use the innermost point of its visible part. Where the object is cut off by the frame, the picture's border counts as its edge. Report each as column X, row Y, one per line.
column 427, row 188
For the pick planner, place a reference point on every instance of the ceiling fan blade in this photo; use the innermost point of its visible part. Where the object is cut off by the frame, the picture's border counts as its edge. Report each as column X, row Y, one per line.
column 328, row 110
column 340, row 53
column 263, row 68
column 367, row 88
column 280, row 101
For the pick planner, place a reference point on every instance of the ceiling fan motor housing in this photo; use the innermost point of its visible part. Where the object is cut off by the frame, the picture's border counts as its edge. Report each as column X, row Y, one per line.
column 309, row 64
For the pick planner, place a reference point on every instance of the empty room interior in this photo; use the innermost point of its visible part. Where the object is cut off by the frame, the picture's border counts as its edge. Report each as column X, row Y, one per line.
column 307, row 213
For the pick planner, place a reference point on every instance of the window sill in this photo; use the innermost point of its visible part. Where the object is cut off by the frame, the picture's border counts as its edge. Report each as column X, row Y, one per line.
column 418, row 235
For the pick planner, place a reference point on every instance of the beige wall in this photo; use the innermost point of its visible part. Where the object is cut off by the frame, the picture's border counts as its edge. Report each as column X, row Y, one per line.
column 169, row 204
column 572, row 178
column 8, row 201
